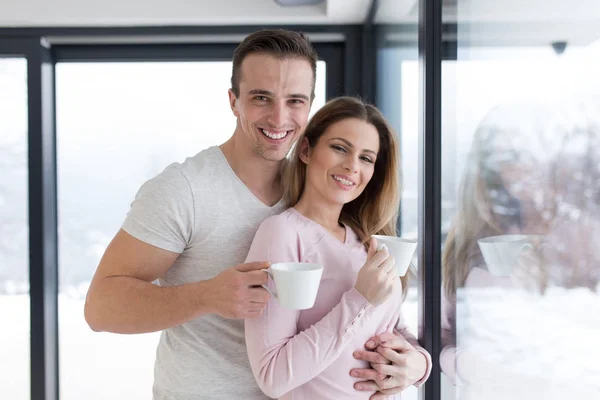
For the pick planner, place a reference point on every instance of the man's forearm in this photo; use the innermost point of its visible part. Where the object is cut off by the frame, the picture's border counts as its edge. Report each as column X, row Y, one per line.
column 122, row 304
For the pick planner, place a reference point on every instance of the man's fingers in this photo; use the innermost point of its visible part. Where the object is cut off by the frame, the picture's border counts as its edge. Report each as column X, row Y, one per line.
column 368, row 374
column 366, row 386
column 371, row 356
column 391, row 356
column 388, row 392
column 259, row 295
column 253, row 266
column 384, row 369
column 379, row 396
column 257, row 278
column 391, row 341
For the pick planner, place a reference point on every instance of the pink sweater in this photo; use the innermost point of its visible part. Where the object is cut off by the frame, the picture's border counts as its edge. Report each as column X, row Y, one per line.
column 308, row 354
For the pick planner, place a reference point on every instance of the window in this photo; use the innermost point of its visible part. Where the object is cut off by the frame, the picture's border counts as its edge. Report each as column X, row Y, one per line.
column 14, row 232
column 521, row 168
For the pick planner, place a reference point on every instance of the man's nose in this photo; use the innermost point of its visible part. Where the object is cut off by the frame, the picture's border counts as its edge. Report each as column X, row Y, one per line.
column 279, row 114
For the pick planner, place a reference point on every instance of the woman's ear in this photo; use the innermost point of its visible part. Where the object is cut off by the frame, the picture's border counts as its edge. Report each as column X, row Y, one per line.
column 304, row 151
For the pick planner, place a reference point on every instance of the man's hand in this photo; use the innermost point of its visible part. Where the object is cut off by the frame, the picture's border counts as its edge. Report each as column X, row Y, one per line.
column 237, row 293
column 395, row 364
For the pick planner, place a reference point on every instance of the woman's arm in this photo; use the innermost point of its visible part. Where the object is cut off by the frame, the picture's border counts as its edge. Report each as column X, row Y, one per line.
column 273, row 340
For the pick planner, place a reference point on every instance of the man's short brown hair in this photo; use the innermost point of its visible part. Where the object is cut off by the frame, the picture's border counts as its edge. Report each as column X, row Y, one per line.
column 279, row 43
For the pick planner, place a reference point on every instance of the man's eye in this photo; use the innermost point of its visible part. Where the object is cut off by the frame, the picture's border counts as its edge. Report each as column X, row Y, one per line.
column 261, row 98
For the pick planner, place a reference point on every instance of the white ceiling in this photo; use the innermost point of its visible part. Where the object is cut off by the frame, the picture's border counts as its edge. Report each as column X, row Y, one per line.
column 394, row 11
column 536, row 20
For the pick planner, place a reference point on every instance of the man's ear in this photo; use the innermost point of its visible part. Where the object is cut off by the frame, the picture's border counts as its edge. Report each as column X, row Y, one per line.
column 233, row 102
column 304, row 151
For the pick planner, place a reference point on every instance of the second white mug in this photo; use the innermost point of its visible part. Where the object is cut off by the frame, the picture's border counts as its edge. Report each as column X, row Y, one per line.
column 401, row 249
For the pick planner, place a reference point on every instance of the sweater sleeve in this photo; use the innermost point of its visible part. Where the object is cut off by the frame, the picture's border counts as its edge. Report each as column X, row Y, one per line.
column 273, row 340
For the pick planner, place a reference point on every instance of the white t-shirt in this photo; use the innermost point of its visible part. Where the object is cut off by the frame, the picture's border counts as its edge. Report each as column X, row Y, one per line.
column 201, row 210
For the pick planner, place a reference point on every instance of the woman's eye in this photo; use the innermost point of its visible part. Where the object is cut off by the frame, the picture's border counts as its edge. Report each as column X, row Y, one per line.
column 338, row 148
column 367, row 159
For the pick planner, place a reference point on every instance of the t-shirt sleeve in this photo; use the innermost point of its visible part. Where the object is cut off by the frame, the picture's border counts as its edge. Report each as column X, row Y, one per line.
column 162, row 213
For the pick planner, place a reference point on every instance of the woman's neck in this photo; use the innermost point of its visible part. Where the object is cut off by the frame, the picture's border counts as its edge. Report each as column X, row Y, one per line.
column 324, row 213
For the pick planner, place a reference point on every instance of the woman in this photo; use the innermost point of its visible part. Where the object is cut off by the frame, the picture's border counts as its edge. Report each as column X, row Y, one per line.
column 342, row 188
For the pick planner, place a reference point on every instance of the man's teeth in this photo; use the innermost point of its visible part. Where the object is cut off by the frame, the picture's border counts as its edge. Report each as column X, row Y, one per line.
column 343, row 181
column 275, row 135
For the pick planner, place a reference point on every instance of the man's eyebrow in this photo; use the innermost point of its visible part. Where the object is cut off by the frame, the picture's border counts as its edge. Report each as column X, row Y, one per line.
column 268, row 93
column 260, row 91
column 352, row 146
column 298, row 96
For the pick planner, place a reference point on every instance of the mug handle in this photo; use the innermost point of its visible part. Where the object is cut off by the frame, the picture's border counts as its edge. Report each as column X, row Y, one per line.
column 527, row 246
column 271, row 292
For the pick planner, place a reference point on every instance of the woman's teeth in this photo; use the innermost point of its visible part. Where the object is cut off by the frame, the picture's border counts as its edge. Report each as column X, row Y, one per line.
column 343, row 181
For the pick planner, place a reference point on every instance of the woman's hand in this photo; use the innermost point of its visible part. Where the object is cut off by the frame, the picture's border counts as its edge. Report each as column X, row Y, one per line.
column 377, row 278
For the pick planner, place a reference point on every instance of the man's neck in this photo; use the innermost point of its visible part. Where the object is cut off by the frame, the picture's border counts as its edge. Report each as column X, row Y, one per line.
column 262, row 177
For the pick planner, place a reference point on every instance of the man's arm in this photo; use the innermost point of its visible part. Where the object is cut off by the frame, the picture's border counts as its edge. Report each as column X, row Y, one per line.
column 397, row 361
column 123, row 299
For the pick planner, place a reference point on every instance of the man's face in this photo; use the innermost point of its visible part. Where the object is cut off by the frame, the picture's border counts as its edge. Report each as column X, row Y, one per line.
column 273, row 104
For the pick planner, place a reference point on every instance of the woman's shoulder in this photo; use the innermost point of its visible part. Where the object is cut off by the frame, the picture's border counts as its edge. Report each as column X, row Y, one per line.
column 282, row 219
column 284, row 224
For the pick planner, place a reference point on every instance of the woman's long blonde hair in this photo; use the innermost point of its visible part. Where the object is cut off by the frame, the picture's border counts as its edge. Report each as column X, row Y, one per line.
column 484, row 205
column 375, row 211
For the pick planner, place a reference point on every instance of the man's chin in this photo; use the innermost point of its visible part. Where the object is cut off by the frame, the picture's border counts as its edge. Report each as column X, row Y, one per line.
column 273, row 155
column 274, row 158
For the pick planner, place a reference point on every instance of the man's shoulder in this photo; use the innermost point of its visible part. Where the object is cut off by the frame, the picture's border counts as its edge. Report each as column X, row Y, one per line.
column 207, row 162
column 179, row 178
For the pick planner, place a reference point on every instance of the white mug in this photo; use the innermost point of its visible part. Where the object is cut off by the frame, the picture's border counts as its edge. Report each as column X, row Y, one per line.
column 401, row 249
column 501, row 253
column 296, row 283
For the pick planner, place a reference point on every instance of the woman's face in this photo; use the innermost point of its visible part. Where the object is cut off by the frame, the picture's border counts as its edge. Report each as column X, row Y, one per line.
column 342, row 162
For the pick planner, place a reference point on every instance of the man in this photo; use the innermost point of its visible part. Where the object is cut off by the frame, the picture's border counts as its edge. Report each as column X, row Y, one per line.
column 191, row 226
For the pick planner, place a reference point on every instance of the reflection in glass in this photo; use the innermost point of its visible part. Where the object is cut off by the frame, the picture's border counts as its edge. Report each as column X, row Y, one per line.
column 521, row 271
column 14, row 232
column 119, row 124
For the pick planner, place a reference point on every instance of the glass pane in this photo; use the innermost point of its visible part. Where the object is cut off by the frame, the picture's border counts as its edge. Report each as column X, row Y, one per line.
column 521, row 195
column 397, row 98
column 14, row 231
column 118, row 125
